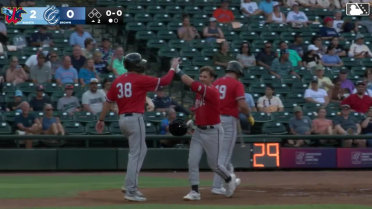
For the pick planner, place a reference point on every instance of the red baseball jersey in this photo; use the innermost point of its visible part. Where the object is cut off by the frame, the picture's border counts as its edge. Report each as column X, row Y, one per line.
column 207, row 104
column 231, row 90
column 129, row 90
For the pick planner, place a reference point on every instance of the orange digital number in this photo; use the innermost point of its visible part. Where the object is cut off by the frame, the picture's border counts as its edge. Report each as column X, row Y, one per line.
column 263, row 153
column 275, row 154
column 255, row 164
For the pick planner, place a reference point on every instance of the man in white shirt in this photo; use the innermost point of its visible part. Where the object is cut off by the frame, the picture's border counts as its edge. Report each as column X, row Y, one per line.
column 94, row 98
column 249, row 8
column 269, row 103
column 358, row 49
column 315, row 94
column 338, row 21
column 296, row 17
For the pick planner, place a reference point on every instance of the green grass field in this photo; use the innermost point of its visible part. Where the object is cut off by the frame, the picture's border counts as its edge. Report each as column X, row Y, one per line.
column 33, row 186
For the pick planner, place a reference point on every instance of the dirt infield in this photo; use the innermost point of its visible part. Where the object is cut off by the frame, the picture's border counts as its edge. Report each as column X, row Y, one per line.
column 258, row 188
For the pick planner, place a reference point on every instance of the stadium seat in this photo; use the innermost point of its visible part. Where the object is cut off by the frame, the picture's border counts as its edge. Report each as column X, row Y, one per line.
column 166, row 35
column 150, row 128
column 154, row 9
column 190, row 52
column 111, row 117
column 65, row 117
column 173, row 9
column 5, row 128
column 281, row 117
column 114, row 128
column 26, row 87
column 274, row 128
column 261, row 117
column 91, row 129
column 155, row 43
column 135, row 26
column 161, row 17
column 168, row 52
column 10, row 116
column 145, row 35
column 202, row 61
column 156, row 26
column 192, row 10
column 74, row 128
column 84, row 117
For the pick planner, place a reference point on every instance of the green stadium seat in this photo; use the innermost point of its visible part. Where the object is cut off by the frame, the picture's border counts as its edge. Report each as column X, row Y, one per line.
column 165, row 2
column 261, row 117
column 258, row 88
column 10, row 116
column 166, row 35
column 145, row 35
column 135, row 26
column 74, row 128
column 4, row 60
column 183, row 2
column 128, row 18
column 112, row 117
column 173, row 9
column 155, row 43
column 192, row 10
column 202, row 61
column 5, row 128
column 256, row 26
column 90, row 128
column 150, row 128
column 190, row 52
column 248, row 35
column 114, row 128
column 202, row 44
column 168, row 52
column 161, row 17
column 207, row 3
column 143, row 17
column 208, row 52
column 153, row 116
column 65, row 117
column 26, row 87
column 268, row 35
column 155, row 9
column 311, row 107
column 274, row 128
column 135, row 9
column 281, row 117
column 84, row 117
column 156, row 26
column 9, row 88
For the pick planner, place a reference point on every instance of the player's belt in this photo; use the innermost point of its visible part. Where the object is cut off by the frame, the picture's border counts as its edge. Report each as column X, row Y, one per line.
column 205, row 127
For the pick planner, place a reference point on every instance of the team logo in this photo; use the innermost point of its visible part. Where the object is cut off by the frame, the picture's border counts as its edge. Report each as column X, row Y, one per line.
column 300, row 158
column 356, row 158
column 51, row 15
column 13, row 14
column 357, row 9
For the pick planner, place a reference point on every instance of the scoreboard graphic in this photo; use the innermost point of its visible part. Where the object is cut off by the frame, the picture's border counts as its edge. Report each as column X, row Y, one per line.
column 62, row 15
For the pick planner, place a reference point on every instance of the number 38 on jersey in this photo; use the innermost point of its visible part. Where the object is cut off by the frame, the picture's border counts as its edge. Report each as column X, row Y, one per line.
column 125, row 90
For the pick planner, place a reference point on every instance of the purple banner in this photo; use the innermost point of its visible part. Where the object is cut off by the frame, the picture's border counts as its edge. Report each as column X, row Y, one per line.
column 308, row 158
column 354, row 158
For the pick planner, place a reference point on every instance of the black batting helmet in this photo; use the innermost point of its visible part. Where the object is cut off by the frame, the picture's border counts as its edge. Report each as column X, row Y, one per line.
column 178, row 127
column 134, row 62
column 236, row 67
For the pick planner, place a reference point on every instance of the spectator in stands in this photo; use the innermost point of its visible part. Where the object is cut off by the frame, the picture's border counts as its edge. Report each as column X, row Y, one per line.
column 106, row 50
column 331, row 59
column 368, row 78
column 317, row 41
column 316, row 95
column 15, row 104
column 66, row 73
column 340, row 51
column 117, row 62
column 299, row 125
column 94, row 98
column 267, row 6
column 42, row 72
column 37, row 103
column 298, row 45
column 68, row 103
column 266, row 56
column 164, row 124
column 282, row 67
column 51, row 125
column 15, row 73
column 269, row 103
column 359, row 102
column 99, row 64
column 345, row 83
column 297, row 18
column 212, row 32
column 223, row 14
column 163, row 102
column 88, row 49
column 289, row 3
column 323, row 81
column 367, row 126
column 78, row 37
column 294, row 58
column 323, row 126
column 32, row 60
column 249, row 8
column 244, row 124
column 311, row 57
column 366, row 23
column 27, row 123
column 315, row 3
column 77, row 58
column 338, row 93
column 358, row 49
column 327, row 31
column 3, row 29
column 187, row 32
column 42, row 38
column 223, row 56
column 276, row 16
column 348, row 125
column 338, row 21
column 246, row 58
column 55, row 62
column 87, row 72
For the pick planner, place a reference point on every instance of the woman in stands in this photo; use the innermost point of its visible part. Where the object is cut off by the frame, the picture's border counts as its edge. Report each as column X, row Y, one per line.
column 331, row 59
column 246, row 58
column 277, row 16
column 340, row 50
column 212, row 32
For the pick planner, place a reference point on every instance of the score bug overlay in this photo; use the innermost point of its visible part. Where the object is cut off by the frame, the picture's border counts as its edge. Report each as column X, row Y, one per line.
column 53, row 15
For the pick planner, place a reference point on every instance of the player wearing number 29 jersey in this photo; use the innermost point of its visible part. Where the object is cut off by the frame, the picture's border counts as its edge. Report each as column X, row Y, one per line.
column 232, row 99
column 129, row 92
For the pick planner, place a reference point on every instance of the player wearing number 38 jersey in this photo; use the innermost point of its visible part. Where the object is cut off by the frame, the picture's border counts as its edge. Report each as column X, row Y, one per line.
column 129, row 92
column 232, row 99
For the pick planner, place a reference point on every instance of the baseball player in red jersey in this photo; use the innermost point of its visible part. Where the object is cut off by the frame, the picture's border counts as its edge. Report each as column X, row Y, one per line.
column 129, row 92
column 232, row 99
column 209, row 133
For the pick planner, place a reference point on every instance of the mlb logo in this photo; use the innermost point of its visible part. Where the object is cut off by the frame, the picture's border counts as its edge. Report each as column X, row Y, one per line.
column 357, row 9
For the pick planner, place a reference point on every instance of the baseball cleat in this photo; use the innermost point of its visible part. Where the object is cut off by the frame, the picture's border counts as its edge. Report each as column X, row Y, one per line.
column 132, row 196
column 138, row 193
column 219, row 191
column 231, row 186
column 192, row 196
column 237, row 181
